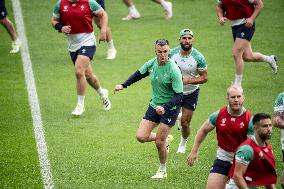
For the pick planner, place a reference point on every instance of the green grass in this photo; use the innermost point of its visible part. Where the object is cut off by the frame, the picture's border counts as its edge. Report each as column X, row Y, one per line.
column 99, row 150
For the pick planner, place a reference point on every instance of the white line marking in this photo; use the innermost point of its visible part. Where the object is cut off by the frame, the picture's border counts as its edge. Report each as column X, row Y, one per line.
column 33, row 99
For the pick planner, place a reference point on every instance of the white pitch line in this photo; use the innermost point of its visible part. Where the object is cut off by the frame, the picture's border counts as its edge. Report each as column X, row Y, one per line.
column 45, row 167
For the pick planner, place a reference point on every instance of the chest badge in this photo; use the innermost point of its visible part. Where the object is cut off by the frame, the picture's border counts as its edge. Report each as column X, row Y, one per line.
column 82, row 7
column 65, row 8
column 223, row 122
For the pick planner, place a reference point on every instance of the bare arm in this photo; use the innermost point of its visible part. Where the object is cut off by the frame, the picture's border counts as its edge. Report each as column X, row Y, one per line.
column 277, row 120
column 103, row 17
column 238, row 176
column 257, row 9
column 63, row 29
column 220, row 14
column 200, row 136
column 203, row 77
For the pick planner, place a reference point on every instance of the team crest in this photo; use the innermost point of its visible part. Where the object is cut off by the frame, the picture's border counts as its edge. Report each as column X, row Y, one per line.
column 223, row 122
column 242, row 124
column 82, row 7
column 260, row 155
column 65, row 8
column 233, row 119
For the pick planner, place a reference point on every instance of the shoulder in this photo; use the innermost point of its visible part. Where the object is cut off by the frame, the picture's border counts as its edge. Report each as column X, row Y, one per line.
column 213, row 118
column 244, row 154
column 95, row 7
column 174, row 51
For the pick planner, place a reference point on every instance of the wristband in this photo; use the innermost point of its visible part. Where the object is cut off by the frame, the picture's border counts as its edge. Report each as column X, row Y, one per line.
column 58, row 27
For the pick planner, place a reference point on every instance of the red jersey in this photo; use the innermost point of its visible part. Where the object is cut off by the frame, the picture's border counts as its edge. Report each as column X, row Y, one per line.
column 231, row 130
column 237, row 9
column 78, row 15
column 261, row 170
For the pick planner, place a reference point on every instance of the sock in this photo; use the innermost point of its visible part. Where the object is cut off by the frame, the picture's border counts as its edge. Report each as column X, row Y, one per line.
column 81, row 100
column 268, row 59
column 163, row 167
column 183, row 141
column 110, row 44
column 164, row 4
column 100, row 91
column 238, row 79
column 132, row 9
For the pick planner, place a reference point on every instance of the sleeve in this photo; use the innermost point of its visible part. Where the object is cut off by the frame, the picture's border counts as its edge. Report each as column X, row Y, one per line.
column 244, row 154
column 173, row 51
column 177, row 83
column 147, row 66
column 279, row 103
column 56, row 9
column 134, row 78
column 95, row 7
column 213, row 118
column 175, row 101
column 201, row 63
column 250, row 127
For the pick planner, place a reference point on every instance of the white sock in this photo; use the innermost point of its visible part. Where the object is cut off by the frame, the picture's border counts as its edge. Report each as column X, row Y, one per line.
column 110, row 44
column 183, row 141
column 100, row 91
column 238, row 79
column 268, row 59
column 163, row 167
column 81, row 100
column 132, row 9
column 164, row 4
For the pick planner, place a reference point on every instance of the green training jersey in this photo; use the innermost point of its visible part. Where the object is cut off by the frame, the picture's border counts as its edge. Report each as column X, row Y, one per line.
column 165, row 81
column 279, row 103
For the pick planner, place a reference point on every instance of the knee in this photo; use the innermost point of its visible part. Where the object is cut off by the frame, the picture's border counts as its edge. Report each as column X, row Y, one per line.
column 160, row 143
column 79, row 73
column 141, row 138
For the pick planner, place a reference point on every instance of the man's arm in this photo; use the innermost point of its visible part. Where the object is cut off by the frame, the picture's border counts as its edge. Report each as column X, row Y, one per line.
column 240, row 170
column 203, row 77
column 258, row 6
column 220, row 14
column 200, row 136
column 277, row 120
column 103, row 17
column 58, row 26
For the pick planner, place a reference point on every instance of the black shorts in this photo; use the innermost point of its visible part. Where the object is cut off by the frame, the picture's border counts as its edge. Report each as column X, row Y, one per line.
column 169, row 118
column 221, row 167
column 3, row 10
column 88, row 51
column 190, row 101
column 243, row 32
column 102, row 3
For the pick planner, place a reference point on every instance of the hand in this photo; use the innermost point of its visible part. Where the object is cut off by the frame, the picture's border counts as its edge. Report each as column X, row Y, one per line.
column 222, row 20
column 185, row 80
column 66, row 29
column 192, row 157
column 102, row 36
column 249, row 22
column 118, row 88
column 160, row 110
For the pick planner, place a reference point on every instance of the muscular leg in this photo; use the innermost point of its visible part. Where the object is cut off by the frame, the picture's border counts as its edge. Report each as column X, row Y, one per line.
column 9, row 27
column 133, row 12
column 144, row 132
column 91, row 78
column 161, row 137
column 216, row 181
column 185, row 122
column 81, row 65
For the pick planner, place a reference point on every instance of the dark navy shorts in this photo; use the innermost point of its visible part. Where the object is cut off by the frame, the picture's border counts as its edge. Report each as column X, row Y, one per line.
column 283, row 155
column 169, row 118
column 221, row 167
column 243, row 32
column 88, row 51
column 102, row 3
column 3, row 10
column 190, row 101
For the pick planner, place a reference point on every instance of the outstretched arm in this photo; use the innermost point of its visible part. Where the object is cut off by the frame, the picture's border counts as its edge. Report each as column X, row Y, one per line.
column 200, row 136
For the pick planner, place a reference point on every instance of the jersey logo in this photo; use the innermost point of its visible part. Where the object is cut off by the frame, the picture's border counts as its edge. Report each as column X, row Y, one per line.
column 233, row 119
column 82, row 7
column 65, row 8
column 242, row 124
column 169, row 120
column 151, row 70
column 266, row 150
column 260, row 155
column 83, row 51
column 223, row 122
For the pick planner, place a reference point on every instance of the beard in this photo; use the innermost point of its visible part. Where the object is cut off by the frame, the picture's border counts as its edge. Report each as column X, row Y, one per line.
column 264, row 136
column 186, row 48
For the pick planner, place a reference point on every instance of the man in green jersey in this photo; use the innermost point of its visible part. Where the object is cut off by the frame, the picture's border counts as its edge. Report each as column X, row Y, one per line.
column 278, row 121
column 167, row 88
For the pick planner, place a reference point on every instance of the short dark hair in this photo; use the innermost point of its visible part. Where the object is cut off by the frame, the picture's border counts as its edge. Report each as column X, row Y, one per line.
column 162, row 42
column 259, row 116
